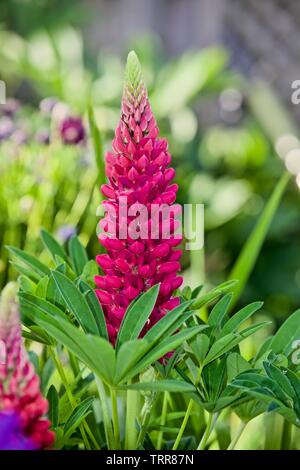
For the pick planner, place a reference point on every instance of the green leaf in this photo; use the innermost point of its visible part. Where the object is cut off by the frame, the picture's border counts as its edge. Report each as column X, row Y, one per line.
column 103, row 354
column 288, row 332
column 250, row 251
column 90, row 270
column 262, row 350
column 30, row 261
column 137, row 315
column 214, row 379
column 95, row 308
column 236, row 364
column 76, row 302
column 186, row 293
column 200, row 347
column 26, row 285
column 162, row 386
column 34, row 359
column 280, row 378
column 46, row 374
column 29, row 273
column 238, row 318
column 295, row 383
column 78, row 255
column 162, row 327
column 37, row 304
column 64, row 268
column 96, row 353
column 53, row 246
column 53, row 400
column 129, row 353
column 165, row 346
column 196, row 292
column 53, row 295
column 38, row 335
column 78, row 414
column 263, row 384
column 214, row 294
column 41, row 288
column 228, row 342
column 219, row 311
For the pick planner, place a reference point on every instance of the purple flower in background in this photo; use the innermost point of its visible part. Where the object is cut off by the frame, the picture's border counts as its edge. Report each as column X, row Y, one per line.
column 6, row 128
column 10, row 107
column 65, row 232
column 43, row 136
column 72, row 130
column 20, row 136
column 47, row 105
column 11, row 433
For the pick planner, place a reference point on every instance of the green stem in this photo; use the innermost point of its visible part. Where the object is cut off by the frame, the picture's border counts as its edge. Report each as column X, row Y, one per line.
column 286, row 440
column 76, row 371
column 187, row 414
column 236, row 438
column 183, row 425
column 74, row 364
column 115, row 417
column 72, row 399
column 209, row 427
column 144, row 426
column 163, row 420
column 106, row 417
column 131, row 412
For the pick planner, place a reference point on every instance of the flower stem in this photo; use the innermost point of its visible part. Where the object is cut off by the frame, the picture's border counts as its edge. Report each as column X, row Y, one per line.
column 209, row 427
column 163, row 420
column 183, row 425
column 115, row 417
column 286, row 436
column 187, row 414
column 106, row 417
column 236, row 438
column 144, row 426
column 71, row 398
column 131, row 412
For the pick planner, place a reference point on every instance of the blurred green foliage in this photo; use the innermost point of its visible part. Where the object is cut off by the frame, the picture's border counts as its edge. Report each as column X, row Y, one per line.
column 223, row 154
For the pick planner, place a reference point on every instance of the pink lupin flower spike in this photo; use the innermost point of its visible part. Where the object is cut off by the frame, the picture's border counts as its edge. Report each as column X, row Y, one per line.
column 138, row 169
column 22, row 407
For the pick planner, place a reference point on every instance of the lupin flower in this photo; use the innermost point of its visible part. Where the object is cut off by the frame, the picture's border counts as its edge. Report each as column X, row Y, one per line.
column 22, row 407
column 137, row 169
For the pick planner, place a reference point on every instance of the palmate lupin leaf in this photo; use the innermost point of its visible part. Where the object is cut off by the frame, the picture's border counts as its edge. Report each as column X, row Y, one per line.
column 278, row 388
column 134, row 355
